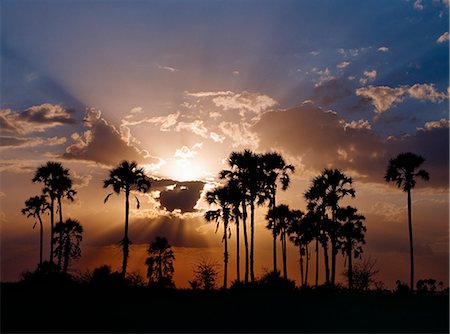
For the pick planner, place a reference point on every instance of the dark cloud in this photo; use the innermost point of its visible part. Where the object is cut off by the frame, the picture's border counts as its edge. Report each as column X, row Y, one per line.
column 102, row 143
column 322, row 139
column 184, row 196
column 180, row 230
column 35, row 119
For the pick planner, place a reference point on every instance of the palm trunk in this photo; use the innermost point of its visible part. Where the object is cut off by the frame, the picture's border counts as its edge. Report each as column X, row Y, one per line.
column 60, row 232
column 411, row 249
column 302, row 279
column 52, row 226
column 350, row 269
column 283, row 245
column 333, row 261
column 252, row 241
column 125, row 238
column 238, row 264
column 317, row 262
column 307, row 265
column 41, row 239
column 333, row 249
column 274, row 251
column 225, row 254
column 244, row 221
column 66, row 253
column 327, row 266
column 274, row 240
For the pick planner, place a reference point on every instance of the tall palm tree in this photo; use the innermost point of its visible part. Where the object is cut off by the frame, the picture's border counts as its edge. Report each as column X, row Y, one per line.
column 274, row 168
column 239, row 174
column 221, row 198
column 127, row 177
column 34, row 207
column 235, row 196
column 403, row 170
column 68, row 241
column 315, row 197
column 352, row 232
column 160, row 262
column 55, row 179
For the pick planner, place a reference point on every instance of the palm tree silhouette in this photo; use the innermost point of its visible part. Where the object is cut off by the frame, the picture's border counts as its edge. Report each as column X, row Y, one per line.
column 274, row 168
column 126, row 177
column 239, row 175
column 281, row 217
column 403, row 170
column 56, row 183
column 222, row 199
column 160, row 263
column 330, row 187
column 315, row 197
column 352, row 232
column 300, row 232
column 34, row 207
column 68, row 241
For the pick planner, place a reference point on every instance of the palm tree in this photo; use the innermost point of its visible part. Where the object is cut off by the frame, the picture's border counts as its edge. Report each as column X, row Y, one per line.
column 56, row 181
column 63, row 190
column 403, row 170
column 68, row 241
column 239, row 175
column 160, row 263
column 315, row 197
column 274, row 168
column 235, row 197
column 352, row 232
column 34, row 207
column 330, row 187
column 126, row 177
column 281, row 217
column 300, row 232
column 222, row 199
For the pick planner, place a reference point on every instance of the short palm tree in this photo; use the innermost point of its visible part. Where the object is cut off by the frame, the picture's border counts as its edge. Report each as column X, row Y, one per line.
column 68, row 241
column 160, row 263
column 34, row 207
column 352, row 234
column 127, row 177
column 403, row 170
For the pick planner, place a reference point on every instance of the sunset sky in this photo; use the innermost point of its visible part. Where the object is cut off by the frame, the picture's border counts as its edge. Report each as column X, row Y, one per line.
column 178, row 85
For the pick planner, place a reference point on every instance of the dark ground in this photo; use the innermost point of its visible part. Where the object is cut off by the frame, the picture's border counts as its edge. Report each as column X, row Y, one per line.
column 87, row 309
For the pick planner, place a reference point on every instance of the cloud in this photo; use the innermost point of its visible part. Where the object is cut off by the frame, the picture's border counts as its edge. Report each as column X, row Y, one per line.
column 136, row 110
column 314, row 53
column 418, row 5
column 35, row 119
column 216, row 137
column 383, row 49
column 369, row 75
column 240, row 134
column 245, row 101
column 209, row 94
column 180, row 230
column 167, row 68
column 331, row 92
column 350, row 146
column 343, row 65
column 360, row 124
column 384, row 97
column 23, row 142
column 237, row 73
column 197, row 127
column 443, row 38
column 183, row 196
column 103, row 143
column 324, row 76
column 443, row 123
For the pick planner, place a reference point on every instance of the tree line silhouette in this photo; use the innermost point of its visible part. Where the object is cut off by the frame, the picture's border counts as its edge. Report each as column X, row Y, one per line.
column 251, row 180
